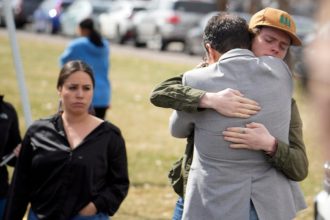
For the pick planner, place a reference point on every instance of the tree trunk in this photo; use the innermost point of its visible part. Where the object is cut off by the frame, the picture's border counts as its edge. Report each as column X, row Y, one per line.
column 255, row 5
column 284, row 5
column 222, row 5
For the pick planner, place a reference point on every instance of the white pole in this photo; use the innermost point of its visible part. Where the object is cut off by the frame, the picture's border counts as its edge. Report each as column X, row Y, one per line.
column 17, row 62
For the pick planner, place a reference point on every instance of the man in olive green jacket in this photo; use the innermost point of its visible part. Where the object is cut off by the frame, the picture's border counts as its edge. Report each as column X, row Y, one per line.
column 290, row 159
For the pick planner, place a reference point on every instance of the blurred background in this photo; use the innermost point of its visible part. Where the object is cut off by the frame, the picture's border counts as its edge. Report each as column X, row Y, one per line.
column 150, row 42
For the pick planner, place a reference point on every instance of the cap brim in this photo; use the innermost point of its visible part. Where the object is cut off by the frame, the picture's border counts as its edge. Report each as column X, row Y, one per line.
column 295, row 39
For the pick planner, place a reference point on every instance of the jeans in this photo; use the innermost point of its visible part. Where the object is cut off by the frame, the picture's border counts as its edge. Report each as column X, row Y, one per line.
column 178, row 211
column 2, row 207
column 253, row 212
column 99, row 216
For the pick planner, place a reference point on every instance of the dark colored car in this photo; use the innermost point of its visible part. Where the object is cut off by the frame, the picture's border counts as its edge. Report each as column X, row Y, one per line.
column 46, row 18
column 194, row 36
column 22, row 11
column 305, row 29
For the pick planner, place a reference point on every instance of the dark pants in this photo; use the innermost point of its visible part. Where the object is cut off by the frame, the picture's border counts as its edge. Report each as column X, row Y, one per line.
column 99, row 216
column 2, row 207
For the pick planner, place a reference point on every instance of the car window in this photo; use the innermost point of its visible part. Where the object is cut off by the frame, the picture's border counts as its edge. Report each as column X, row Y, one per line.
column 136, row 9
column 197, row 7
column 100, row 9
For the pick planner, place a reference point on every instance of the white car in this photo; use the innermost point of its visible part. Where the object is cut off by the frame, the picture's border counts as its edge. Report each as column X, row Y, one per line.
column 116, row 24
column 167, row 21
column 79, row 10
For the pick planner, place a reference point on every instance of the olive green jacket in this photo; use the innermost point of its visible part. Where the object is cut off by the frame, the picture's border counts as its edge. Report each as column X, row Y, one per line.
column 290, row 159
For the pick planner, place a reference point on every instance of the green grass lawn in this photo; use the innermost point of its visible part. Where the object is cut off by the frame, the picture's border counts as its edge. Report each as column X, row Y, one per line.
column 151, row 149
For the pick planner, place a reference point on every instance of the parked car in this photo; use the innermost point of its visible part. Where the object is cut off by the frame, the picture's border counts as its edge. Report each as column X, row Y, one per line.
column 22, row 11
column 194, row 36
column 46, row 18
column 167, row 21
column 322, row 200
column 305, row 30
column 81, row 9
column 116, row 24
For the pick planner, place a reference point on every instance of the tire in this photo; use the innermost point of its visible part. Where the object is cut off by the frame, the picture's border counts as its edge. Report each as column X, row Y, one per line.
column 118, row 38
column 157, row 42
column 136, row 41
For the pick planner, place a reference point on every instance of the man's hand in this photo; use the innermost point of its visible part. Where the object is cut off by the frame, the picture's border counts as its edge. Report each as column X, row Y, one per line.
column 230, row 103
column 254, row 136
column 88, row 210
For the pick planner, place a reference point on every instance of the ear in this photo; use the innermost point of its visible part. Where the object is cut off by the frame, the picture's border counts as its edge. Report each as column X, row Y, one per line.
column 213, row 54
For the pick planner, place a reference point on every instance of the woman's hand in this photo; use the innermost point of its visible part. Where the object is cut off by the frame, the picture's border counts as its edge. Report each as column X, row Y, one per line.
column 254, row 136
column 17, row 150
column 88, row 210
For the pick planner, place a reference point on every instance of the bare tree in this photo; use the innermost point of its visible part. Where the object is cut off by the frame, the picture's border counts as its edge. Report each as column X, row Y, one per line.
column 222, row 5
column 255, row 5
column 284, row 5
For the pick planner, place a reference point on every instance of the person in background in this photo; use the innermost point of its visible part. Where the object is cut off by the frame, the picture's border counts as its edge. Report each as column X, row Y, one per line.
column 289, row 158
column 318, row 88
column 10, row 140
column 95, row 51
column 317, row 54
column 72, row 165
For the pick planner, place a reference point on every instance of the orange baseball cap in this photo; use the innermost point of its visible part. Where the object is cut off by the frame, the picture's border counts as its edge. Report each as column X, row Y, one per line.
column 275, row 18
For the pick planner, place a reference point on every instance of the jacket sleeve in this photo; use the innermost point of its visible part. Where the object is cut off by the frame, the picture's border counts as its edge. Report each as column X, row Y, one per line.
column 291, row 158
column 14, row 136
column 172, row 94
column 181, row 124
column 18, row 198
column 109, row 199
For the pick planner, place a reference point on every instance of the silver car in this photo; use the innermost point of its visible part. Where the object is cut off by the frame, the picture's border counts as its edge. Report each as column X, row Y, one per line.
column 194, row 37
column 167, row 21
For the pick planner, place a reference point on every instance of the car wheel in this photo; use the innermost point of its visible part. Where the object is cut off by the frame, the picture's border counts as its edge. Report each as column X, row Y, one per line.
column 136, row 41
column 118, row 38
column 187, row 48
column 48, row 28
column 157, row 42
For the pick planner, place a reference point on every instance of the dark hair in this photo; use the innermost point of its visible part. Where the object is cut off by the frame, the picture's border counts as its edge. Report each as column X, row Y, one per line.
column 70, row 68
column 226, row 31
column 93, row 35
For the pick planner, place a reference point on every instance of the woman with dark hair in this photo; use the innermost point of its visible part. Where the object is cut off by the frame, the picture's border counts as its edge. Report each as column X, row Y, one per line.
column 72, row 165
column 94, row 50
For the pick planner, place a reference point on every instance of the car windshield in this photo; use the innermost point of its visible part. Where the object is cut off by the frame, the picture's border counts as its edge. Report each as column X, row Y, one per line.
column 197, row 7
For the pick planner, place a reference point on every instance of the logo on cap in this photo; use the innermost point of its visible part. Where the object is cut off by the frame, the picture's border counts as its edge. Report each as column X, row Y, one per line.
column 285, row 21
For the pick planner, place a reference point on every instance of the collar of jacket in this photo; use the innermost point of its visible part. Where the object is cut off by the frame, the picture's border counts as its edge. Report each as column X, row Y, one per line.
column 235, row 53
